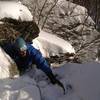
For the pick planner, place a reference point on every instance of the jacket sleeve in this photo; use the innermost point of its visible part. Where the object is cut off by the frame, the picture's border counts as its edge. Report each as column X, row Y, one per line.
column 40, row 61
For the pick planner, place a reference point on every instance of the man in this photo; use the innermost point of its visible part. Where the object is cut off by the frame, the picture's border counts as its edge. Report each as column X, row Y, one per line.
column 25, row 55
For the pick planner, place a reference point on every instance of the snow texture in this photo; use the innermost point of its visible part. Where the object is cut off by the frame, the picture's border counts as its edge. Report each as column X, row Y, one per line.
column 22, row 88
column 80, row 13
column 51, row 45
column 34, row 85
column 4, row 64
column 15, row 10
column 84, row 79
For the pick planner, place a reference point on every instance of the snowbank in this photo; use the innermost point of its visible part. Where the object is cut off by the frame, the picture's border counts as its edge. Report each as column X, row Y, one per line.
column 15, row 10
column 4, row 64
column 84, row 79
column 7, row 65
column 51, row 45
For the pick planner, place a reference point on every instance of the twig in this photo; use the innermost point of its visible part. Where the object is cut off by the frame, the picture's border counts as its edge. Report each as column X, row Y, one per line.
column 48, row 14
column 41, row 11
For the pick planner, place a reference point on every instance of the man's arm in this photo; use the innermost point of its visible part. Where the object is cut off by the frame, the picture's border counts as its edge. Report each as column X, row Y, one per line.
column 44, row 66
column 40, row 61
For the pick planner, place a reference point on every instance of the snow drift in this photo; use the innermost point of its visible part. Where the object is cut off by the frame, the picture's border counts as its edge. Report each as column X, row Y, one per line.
column 4, row 64
column 22, row 88
column 8, row 68
column 51, row 45
column 15, row 10
column 84, row 79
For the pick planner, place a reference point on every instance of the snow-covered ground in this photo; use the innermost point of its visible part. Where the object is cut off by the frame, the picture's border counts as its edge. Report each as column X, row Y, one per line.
column 15, row 10
column 84, row 79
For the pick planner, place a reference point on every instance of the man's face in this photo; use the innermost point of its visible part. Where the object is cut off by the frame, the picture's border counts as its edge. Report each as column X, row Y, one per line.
column 23, row 53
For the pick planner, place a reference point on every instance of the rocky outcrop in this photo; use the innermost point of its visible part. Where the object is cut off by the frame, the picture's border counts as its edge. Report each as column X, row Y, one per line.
column 16, row 20
column 72, row 22
column 19, row 89
column 10, row 29
column 8, row 68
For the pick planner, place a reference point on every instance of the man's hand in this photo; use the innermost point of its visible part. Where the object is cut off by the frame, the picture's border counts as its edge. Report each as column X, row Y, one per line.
column 55, row 81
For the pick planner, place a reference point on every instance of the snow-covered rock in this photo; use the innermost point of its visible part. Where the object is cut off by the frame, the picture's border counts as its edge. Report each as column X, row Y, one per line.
column 15, row 10
column 6, row 64
column 73, row 23
column 16, row 20
column 51, row 45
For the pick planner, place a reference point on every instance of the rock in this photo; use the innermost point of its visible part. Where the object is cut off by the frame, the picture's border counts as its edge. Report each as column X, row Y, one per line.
column 19, row 89
column 73, row 23
column 8, row 68
column 15, row 10
column 52, row 45
column 11, row 29
column 55, row 49
column 70, row 22
column 16, row 23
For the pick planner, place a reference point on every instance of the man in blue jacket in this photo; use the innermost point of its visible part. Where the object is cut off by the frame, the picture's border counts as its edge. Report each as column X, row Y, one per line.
column 25, row 55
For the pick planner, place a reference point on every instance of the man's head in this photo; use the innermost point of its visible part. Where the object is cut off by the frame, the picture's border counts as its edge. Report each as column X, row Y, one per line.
column 21, row 46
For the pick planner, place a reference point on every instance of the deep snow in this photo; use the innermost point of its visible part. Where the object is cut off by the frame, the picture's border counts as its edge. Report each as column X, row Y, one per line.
column 84, row 79
column 4, row 64
column 51, row 45
column 15, row 10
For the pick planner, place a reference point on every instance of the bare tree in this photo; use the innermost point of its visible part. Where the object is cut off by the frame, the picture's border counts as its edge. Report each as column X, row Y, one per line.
column 93, row 7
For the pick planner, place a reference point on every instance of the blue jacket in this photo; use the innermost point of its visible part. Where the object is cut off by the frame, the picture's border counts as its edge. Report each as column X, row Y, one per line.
column 33, row 57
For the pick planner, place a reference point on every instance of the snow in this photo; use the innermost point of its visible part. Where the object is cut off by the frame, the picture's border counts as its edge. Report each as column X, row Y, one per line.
column 34, row 85
column 1, row 22
column 51, row 45
column 4, row 64
column 22, row 88
column 15, row 10
column 84, row 79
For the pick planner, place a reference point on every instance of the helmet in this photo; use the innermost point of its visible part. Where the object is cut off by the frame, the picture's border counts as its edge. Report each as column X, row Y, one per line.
column 20, row 44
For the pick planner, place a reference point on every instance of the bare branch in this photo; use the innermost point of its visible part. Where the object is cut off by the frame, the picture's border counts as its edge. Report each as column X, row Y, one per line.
column 48, row 14
column 41, row 11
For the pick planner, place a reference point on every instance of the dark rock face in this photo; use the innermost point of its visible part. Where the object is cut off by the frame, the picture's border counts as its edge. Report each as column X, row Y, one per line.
column 10, row 29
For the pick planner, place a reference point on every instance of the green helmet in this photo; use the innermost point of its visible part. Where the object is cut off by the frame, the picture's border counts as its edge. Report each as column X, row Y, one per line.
column 20, row 44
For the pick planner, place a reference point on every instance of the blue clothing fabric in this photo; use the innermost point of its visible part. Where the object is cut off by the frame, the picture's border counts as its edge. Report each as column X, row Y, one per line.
column 33, row 57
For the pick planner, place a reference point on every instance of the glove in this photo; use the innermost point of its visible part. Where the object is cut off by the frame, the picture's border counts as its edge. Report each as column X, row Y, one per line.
column 55, row 81
column 52, row 78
